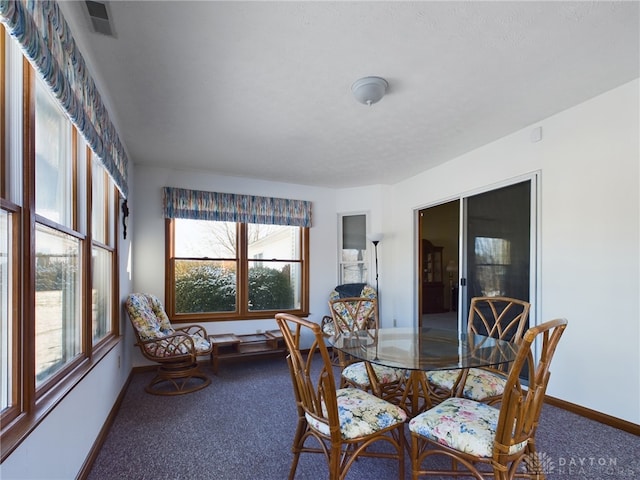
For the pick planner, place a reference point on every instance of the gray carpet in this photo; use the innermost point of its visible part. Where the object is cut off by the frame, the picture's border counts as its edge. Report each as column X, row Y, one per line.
column 242, row 425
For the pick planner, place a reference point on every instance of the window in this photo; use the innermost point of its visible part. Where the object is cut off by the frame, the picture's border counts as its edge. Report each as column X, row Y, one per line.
column 102, row 253
column 228, row 270
column 493, row 257
column 58, row 248
column 58, row 301
column 58, row 274
column 10, row 233
column 6, row 351
column 354, row 256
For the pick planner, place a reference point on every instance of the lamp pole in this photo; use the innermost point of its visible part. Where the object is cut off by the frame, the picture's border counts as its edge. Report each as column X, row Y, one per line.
column 375, row 239
column 375, row 248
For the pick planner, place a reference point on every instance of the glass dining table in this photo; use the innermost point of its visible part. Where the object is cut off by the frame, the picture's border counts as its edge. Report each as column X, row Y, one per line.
column 422, row 349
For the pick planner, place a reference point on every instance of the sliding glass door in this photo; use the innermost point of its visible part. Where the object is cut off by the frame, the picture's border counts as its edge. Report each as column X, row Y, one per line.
column 497, row 244
column 492, row 253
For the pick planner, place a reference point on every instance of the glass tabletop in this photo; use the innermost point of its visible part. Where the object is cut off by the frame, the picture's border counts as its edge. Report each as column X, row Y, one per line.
column 425, row 348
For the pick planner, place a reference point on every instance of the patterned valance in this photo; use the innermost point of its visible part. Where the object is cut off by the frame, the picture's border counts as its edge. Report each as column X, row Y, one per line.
column 229, row 207
column 45, row 38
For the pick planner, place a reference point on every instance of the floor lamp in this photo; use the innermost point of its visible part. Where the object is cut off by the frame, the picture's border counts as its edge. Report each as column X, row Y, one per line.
column 375, row 239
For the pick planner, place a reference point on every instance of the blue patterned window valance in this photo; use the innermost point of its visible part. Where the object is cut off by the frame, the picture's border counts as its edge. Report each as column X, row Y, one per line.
column 229, row 207
column 45, row 38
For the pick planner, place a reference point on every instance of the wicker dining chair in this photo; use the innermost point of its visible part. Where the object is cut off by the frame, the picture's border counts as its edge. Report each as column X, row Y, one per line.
column 174, row 349
column 347, row 290
column 344, row 422
column 358, row 316
column 502, row 318
column 344, row 291
column 472, row 434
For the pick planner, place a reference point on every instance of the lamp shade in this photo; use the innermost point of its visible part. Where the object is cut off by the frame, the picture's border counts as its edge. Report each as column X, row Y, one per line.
column 369, row 90
column 375, row 237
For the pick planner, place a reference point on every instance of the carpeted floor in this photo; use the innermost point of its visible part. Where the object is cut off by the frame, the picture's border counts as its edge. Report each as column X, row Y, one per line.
column 241, row 427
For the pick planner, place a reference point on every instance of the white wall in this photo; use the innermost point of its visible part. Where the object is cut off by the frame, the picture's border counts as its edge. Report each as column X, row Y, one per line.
column 590, row 244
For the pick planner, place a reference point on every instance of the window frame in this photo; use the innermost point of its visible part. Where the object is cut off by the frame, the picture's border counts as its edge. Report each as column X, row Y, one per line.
column 28, row 405
column 110, row 218
column 71, row 231
column 242, row 311
column 362, row 264
column 12, row 411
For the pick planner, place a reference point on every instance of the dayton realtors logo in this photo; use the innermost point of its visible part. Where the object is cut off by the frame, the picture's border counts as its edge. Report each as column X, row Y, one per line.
column 540, row 463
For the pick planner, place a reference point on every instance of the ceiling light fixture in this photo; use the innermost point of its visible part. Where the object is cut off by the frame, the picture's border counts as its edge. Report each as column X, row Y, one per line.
column 369, row 90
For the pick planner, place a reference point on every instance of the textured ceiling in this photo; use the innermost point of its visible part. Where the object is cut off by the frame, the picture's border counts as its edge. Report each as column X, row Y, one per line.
column 262, row 89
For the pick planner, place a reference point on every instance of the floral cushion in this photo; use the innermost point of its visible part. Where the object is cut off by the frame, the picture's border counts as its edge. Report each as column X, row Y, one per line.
column 329, row 328
column 360, row 413
column 479, row 385
column 363, row 314
column 357, row 373
column 201, row 343
column 462, row 424
column 151, row 322
column 142, row 310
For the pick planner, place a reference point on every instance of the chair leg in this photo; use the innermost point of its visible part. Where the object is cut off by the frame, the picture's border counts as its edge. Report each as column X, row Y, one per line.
column 297, row 446
column 334, row 463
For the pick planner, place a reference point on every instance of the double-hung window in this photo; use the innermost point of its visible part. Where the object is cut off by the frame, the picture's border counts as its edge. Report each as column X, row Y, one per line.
column 58, row 257
column 58, row 243
column 230, row 270
column 103, row 254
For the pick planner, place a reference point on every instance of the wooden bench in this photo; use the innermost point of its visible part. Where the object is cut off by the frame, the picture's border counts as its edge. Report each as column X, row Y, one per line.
column 227, row 346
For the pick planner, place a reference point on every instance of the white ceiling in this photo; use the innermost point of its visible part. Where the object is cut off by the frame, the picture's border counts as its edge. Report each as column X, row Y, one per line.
column 262, row 89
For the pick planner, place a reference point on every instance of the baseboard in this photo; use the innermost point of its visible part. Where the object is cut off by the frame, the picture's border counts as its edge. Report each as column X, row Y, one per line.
column 594, row 415
column 102, row 436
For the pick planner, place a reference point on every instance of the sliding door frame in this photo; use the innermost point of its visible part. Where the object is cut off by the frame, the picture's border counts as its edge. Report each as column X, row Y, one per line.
column 534, row 257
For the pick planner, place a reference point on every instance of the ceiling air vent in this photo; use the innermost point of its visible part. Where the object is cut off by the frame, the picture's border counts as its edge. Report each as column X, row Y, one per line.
column 99, row 17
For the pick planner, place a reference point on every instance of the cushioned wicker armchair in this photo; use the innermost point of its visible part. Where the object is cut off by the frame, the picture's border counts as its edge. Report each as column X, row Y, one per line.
column 347, row 290
column 344, row 422
column 503, row 318
column 357, row 316
column 175, row 349
column 472, row 434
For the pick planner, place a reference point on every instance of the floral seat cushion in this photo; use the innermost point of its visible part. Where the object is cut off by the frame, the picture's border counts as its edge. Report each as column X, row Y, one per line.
column 479, row 385
column 357, row 373
column 360, row 413
column 462, row 424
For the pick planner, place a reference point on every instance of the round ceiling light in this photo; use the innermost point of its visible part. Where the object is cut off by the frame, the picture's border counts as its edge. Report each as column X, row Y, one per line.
column 369, row 90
